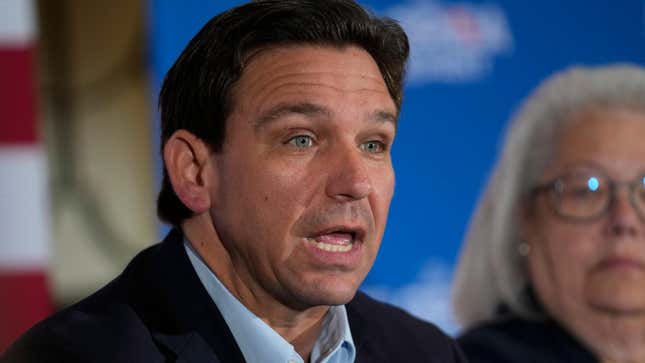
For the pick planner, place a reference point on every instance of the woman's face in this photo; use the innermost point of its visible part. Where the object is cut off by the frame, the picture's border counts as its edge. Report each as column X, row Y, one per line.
column 590, row 275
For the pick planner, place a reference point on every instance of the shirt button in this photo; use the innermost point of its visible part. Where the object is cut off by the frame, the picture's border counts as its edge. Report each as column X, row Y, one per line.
column 291, row 361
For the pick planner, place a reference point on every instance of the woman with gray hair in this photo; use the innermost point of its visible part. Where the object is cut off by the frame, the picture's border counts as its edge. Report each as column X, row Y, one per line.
column 553, row 265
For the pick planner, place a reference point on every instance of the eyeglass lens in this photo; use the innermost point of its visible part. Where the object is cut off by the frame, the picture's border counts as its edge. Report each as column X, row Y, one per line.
column 588, row 195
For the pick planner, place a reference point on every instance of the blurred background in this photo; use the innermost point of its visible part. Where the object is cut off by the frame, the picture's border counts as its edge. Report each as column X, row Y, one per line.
column 79, row 161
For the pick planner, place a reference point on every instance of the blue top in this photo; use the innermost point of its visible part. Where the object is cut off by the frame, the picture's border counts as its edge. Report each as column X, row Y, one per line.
column 258, row 341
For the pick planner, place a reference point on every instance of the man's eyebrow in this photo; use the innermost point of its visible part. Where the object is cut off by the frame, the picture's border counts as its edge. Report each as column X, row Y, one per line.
column 384, row 116
column 308, row 109
column 304, row 108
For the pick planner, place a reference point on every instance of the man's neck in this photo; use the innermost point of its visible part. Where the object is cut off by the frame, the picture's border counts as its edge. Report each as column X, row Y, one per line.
column 302, row 337
column 300, row 327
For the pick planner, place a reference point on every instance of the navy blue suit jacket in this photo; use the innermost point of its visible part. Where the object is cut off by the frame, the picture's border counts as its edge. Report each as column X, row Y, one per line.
column 158, row 311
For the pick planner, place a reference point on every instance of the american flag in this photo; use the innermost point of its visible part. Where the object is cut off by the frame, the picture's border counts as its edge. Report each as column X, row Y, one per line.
column 24, row 200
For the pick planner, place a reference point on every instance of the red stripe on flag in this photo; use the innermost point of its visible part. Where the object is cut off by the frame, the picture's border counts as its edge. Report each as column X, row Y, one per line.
column 24, row 300
column 17, row 96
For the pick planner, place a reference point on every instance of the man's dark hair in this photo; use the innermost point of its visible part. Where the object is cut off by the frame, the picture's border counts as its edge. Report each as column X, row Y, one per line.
column 196, row 93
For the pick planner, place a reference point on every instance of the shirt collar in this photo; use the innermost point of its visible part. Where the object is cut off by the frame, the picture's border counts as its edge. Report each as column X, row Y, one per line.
column 258, row 341
column 335, row 343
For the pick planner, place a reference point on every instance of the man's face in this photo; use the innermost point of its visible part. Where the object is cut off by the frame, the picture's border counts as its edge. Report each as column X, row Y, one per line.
column 305, row 178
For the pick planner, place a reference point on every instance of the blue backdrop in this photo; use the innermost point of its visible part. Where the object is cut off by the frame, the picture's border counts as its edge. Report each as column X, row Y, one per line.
column 472, row 63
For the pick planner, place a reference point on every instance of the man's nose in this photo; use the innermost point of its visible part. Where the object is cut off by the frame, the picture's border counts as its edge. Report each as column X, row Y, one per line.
column 623, row 216
column 349, row 178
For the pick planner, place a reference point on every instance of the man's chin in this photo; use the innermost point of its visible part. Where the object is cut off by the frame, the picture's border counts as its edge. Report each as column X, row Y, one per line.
column 338, row 298
column 325, row 297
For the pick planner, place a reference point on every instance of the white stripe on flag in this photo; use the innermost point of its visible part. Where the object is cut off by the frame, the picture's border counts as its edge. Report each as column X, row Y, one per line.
column 24, row 208
column 17, row 22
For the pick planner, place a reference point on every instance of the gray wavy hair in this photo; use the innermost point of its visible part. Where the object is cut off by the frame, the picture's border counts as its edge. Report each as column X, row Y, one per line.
column 490, row 271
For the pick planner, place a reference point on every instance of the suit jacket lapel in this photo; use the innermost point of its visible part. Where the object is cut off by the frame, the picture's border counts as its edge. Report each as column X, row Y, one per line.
column 178, row 310
column 367, row 350
column 188, row 348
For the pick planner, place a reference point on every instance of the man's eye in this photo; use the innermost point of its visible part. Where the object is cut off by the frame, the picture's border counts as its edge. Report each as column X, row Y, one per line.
column 301, row 141
column 373, row 147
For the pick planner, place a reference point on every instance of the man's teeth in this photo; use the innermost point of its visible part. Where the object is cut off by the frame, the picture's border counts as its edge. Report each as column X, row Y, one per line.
column 331, row 247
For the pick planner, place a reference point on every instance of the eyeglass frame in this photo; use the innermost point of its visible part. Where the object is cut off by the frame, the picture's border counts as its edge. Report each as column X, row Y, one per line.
column 552, row 187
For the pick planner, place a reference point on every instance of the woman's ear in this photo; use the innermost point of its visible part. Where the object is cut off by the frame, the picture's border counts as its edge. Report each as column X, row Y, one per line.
column 189, row 165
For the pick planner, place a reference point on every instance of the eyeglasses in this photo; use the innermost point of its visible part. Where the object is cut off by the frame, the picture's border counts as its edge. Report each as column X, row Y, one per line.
column 586, row 194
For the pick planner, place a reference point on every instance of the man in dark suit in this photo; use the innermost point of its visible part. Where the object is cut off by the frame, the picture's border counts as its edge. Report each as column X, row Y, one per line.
column 277, row 123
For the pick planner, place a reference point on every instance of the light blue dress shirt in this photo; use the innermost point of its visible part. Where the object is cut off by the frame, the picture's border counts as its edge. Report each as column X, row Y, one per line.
column 258, row 342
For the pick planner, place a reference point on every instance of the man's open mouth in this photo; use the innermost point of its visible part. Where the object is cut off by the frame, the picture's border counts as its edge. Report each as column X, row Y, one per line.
column 336, row 240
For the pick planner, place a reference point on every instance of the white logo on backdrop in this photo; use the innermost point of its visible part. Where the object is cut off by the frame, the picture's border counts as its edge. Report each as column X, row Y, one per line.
column 427, row 298
column 452, row 42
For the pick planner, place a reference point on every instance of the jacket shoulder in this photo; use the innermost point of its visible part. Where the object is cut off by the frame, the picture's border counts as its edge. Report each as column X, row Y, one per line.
column 387, row 333
column 79, row 335
column 89, row 330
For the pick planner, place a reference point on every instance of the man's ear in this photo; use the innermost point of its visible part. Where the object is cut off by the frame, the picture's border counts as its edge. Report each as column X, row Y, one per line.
column 190, row 169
